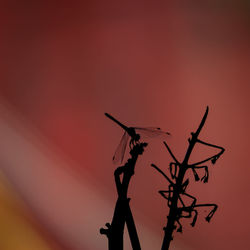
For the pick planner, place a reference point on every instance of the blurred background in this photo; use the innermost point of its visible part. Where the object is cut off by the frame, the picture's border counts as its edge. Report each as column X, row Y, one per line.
column 148, row 63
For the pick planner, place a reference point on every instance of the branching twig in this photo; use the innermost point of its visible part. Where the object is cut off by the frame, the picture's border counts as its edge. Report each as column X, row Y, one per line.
column 177, row 187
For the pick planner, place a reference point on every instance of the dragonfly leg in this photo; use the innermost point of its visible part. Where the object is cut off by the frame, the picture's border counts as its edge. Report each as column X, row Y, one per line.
column 132, row 143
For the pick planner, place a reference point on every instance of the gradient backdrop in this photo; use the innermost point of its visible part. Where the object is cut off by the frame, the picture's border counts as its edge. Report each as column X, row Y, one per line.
column 149, row 63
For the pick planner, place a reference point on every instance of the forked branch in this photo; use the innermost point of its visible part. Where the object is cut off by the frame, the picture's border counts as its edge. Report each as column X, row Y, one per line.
column 178, row 185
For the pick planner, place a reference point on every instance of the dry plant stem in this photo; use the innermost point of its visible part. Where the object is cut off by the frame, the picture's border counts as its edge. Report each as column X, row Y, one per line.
column 173, row 213
column 122, row 211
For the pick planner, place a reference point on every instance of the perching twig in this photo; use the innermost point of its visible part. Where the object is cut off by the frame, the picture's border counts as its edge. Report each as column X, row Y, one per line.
column 177, row 186
column 122, row 212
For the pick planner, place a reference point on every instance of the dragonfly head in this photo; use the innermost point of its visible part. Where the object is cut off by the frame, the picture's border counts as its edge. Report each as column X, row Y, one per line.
column 134, row 136
column 137, row 137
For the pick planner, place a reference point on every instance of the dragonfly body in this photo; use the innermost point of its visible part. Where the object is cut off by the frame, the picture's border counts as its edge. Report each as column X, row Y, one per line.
column 134, row 134
column 130, row 130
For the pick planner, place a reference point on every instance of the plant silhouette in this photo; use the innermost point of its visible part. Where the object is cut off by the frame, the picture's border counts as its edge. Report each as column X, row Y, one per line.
column 176, row 188
column 122, row 213
column 178, row 184
column 123, row 174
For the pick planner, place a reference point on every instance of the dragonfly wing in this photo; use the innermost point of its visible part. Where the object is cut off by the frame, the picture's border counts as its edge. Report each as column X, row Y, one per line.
column 151, row 132
column 120, row 151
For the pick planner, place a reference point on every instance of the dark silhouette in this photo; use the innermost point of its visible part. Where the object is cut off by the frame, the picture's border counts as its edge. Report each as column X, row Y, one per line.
column 134, row 134
column 123, row 174
column 178, row 185
column 122, row 213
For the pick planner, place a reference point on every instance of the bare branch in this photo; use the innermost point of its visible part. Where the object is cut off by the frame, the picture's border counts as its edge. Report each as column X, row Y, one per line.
column 161, row 172
column 170, row 152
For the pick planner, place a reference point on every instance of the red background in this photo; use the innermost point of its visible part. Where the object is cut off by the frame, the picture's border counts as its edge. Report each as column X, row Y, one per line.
column 148, row 63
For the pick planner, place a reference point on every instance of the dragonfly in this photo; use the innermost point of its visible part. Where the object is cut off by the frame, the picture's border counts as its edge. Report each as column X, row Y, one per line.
column 134, row 133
